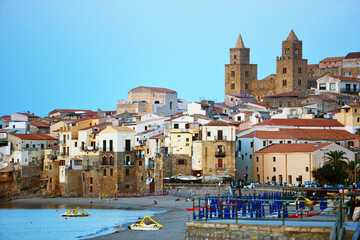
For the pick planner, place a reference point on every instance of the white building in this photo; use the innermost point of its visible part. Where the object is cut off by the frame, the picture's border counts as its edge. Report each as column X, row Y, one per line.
column 337, row 84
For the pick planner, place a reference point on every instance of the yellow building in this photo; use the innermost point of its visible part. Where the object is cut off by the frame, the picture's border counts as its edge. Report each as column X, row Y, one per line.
column 349, row 116
column 292, row 163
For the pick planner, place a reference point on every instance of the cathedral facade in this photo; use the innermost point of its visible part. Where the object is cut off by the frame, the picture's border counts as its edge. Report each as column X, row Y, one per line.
column 291, row 71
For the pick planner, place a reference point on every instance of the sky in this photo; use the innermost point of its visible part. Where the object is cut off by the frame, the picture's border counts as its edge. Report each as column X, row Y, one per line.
column 87, row 54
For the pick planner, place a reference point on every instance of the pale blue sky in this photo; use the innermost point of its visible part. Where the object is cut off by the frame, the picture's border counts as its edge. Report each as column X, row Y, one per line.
column 88, row 54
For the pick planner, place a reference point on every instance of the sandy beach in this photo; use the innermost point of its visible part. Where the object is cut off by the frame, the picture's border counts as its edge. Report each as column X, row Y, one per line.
column 173, row 219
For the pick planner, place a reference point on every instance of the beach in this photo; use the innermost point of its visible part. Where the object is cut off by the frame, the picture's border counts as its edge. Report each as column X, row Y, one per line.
column 172, row 216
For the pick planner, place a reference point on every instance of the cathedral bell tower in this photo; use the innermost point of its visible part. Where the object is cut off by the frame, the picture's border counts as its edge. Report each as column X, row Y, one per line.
column 291, row 68
column 239, row 73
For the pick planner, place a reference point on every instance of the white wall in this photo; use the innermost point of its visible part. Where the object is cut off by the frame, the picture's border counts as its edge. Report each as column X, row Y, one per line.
column 228, row 133
column 195, row 108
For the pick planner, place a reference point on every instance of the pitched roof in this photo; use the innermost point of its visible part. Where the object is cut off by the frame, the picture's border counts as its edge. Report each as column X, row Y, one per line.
column 353, row 55
column 320, row 134
column 301, row 123
column 287, row 94
column 332, row 59
column 156, row 136
column 160, row 89
column 249, row 135
column 292, row 36
column 29, row 115
column 271, row 135
column 83, row 119
column 313, row 66
column 53, row 147
column 348, row 79
column 40, row 124
column 239, row 42
column 293, row 147
column 34, row 136
column 216, row 123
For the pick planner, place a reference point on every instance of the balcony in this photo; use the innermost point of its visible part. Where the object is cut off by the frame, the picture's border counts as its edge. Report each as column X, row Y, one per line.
column 150, row 166
column 140, row 156
column 89, row 149
column 220, row 154
column 64, row 154
column 220, row 138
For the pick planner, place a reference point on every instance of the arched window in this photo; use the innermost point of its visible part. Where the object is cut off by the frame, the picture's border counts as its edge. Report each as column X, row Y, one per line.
column 296, row 51
column 127, row 160
column 140, row 163
column 284, row 83
column 232, row 86
column 157, row 102
column 284, row 70
column 287, row 51
column 91, row 180
column 111, row 160
column 91, row 189
column 104, row 160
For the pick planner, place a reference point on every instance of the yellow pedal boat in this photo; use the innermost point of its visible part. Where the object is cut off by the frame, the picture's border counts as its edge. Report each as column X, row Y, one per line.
column 142, row 226
column 78, row 212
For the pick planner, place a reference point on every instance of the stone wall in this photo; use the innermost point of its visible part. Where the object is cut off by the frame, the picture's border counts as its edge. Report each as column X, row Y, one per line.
column 216, row 231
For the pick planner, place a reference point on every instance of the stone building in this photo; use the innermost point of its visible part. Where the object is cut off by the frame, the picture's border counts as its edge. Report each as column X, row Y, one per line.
column 161, row 101
column 291, row 71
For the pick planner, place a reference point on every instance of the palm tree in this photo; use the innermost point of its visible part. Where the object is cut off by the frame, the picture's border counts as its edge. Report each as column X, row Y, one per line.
column 336, row 158
column 351, row 170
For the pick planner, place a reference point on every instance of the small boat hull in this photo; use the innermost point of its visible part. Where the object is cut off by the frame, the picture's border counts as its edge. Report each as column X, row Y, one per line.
column 144, row 227
column 78, row 212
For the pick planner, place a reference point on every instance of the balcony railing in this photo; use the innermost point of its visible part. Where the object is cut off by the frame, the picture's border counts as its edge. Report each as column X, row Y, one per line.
column 220, row 138
column 220, row 154
column 150, row 166
column 140, row 156
column 64, row 154
column 220, row 166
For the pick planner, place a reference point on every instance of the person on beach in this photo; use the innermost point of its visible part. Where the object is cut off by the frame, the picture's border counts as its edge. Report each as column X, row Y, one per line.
column 155, row 202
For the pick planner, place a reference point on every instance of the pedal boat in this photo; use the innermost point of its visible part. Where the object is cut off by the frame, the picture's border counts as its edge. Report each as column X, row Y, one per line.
column 78, row 212
column 142, row 226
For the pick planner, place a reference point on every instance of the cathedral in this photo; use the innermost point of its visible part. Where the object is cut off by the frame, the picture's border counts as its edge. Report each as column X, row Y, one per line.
column 291, row 71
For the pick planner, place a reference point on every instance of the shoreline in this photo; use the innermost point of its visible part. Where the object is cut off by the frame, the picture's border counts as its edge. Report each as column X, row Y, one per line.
column 170, row 213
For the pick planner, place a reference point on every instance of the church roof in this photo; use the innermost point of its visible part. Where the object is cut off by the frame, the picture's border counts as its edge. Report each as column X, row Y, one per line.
column 239, row 42
column 292, row 36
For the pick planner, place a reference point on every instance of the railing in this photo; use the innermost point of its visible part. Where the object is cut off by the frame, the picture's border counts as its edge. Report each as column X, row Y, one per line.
column 337, row 232
column 220, row 154
column 265, row 206
column 140, row 156
column 221, row 138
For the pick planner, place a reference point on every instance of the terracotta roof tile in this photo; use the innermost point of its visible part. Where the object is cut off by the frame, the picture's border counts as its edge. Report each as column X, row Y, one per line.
column 293, row 147
column 40, row 124
column 287, row 94
column 161, row 89
column 271, row 135
column 53, row 147
column 29, row 115
column 320, row 134
column 313, row 65
column 353, row 55
column 217, row 123
column 159, row 136
column 34, row 136
column 332, row 59
column 301, row 123
column 97, row 125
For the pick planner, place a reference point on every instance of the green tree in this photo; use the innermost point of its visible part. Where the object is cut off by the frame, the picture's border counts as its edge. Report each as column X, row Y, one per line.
column 331, row 174
column 336, row 157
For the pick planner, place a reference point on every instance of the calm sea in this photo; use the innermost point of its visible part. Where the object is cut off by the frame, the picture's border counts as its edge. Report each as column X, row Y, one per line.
column 47, row 224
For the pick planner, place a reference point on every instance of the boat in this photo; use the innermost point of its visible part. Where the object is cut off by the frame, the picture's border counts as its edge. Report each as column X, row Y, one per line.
column 78, row 212
column 142, row 226
column 304, row 215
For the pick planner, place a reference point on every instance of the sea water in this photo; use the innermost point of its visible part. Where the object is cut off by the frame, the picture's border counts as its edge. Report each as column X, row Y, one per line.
column 48, row 224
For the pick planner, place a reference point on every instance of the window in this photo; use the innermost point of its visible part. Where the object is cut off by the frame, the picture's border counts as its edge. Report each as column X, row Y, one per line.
column 307, row 169
column 246, row 86
column 250, row 156
column 111, row 160
column 77, row 162
column 91, row 189
column 251, row 144
column 246, row 168
column 274, row 159
column 264, row 143
column 111, row 171
column 284, row 83
column 347, row 87
column 299, row 82
column 187, row 139
column 75, row 144
column 187, row 126
column 33, row 145
column 296, row 51
column 284, row 70
column 299, row 70
column 111, row 146
column 220, row 163
column 281, row 142
column 246, row 73
column 127, row 172
column 287, row 51
column 127, row 160
column 140, row 163
column 176, row 126
column 257, row 169
column 209, row 134
column 171, row 105
column 104, row 145
column 232, row 73
column 232, row 86
column 127, row 145
column 322, row 86
column 27, row 145
column 274, row 169
column 257, row 159
column 104, row 172
column 181, row 162
column 127, row 186
column 91, row 180
column 239, row 145
column 234, row 56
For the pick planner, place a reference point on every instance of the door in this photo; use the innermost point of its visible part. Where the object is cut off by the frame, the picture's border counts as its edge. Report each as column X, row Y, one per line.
column 127, row 145
column 152, row 187
column 220, row 135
